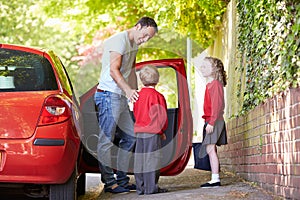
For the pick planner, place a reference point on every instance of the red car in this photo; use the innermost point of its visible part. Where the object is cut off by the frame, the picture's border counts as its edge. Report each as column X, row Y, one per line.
column 48, row 141
column 39, row 123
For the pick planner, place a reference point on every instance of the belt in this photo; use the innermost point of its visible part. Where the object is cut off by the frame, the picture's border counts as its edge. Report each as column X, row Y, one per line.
column 99, row 90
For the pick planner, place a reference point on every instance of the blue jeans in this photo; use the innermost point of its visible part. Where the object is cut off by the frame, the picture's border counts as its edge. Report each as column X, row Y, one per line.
column 115, row 122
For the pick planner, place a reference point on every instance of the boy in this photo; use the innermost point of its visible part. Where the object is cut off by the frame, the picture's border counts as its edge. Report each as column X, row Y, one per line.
column 150, row 111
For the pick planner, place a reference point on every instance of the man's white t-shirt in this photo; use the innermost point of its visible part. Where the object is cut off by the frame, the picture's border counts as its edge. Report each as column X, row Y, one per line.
column 118, row 43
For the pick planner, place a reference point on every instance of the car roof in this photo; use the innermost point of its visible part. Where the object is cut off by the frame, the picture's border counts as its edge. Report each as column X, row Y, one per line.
column 32, row 49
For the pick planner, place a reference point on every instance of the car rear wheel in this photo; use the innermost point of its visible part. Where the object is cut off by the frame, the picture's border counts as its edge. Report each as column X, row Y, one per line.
column 66, row 191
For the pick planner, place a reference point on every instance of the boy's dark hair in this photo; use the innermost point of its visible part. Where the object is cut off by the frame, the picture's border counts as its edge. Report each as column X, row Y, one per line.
column 147, row 21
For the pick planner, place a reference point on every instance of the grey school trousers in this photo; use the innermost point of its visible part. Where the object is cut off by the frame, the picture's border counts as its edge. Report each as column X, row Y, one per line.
column 147, row 162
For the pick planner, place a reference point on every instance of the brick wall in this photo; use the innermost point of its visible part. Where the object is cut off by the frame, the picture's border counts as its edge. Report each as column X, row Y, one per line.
column 264, row 146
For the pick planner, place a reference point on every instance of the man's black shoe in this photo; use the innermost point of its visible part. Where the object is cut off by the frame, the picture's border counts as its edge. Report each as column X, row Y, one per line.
column 118, row 189
column 130, row 187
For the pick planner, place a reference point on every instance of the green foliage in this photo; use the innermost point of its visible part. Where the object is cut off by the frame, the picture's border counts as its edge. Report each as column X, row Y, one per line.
column 16, row 23
column 88, row 17
column 199, row 19
column 268, row 42
column 25, row 23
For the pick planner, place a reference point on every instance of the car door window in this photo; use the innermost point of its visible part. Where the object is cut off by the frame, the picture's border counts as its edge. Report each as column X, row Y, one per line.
column 167, row 85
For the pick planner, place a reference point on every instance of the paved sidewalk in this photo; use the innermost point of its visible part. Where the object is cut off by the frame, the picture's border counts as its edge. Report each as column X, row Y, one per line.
column 187, row 186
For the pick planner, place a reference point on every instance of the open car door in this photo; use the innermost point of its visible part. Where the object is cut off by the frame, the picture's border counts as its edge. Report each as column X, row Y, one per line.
column 176, row 150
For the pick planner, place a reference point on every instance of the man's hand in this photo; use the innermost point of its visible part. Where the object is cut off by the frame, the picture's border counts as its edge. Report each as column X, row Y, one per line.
column 132, row 95
column 209, row 129
column 115, row 73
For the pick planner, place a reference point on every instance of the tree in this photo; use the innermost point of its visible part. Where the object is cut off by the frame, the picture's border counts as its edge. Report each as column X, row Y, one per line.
column 200, row 19
column 25, row 23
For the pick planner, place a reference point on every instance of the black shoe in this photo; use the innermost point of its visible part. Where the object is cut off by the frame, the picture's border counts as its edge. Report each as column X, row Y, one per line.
column 162, row 190
column 116, row 190
column 130, row 187
column 210, row 185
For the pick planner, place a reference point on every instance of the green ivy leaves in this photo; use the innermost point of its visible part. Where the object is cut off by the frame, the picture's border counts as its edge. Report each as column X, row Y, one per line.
column 268, row 40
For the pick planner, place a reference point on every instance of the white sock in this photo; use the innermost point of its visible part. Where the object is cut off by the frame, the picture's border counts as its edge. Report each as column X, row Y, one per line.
column 215, row 178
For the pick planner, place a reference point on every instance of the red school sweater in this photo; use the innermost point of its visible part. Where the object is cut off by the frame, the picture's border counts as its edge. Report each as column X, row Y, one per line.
column 150, row 112
column 213, row 102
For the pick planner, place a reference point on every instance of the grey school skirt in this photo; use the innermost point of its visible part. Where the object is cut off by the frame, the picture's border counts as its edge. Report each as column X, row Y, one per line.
column 218, row 136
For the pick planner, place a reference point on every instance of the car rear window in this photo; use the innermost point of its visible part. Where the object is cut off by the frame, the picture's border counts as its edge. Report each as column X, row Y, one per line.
column 23, row 71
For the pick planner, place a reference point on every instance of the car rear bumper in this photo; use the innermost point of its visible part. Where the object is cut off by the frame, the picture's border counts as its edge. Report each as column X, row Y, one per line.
column 48, row 157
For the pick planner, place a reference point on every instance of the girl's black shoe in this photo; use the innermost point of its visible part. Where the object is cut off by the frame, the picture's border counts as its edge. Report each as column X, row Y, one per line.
column 210, row 185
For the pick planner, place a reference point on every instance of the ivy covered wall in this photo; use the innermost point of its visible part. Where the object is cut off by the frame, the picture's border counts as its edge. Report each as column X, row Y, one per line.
column 259, row 45
column 268, row 47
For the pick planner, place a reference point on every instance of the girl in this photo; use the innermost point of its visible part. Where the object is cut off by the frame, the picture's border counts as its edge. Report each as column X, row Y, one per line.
column 214, row 131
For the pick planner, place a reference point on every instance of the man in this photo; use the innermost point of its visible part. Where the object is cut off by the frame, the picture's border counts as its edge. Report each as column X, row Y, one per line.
column 117, row 86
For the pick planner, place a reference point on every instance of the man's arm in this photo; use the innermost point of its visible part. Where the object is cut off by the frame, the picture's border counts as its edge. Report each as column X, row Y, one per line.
column 132, row 79
column 115, row 66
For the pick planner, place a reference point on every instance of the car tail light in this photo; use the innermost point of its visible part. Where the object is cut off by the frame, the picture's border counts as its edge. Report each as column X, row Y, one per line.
column 56, row 109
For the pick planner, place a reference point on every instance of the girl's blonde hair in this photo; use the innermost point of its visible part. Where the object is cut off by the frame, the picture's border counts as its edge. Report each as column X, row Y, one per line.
column 149, row 75
column 218, row 69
